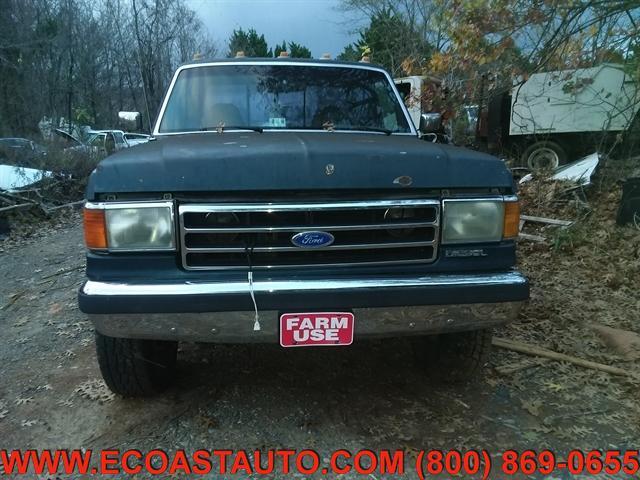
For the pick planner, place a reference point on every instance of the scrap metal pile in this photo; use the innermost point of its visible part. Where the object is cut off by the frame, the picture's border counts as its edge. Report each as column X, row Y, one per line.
column 554, row 201
column 29, row 197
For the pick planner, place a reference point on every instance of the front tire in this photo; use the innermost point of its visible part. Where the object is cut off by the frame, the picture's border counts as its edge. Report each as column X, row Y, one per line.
column 136, row 368
column 454, row 357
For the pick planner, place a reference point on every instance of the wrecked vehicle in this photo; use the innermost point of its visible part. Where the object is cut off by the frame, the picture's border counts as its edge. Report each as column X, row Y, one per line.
column 21, row 152
column 292, row 202
column 134, row 139
column 91, row 144
column 551, row 117
column 118, row 136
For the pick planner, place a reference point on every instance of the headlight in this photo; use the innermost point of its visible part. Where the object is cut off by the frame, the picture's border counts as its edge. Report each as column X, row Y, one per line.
column 399, row 215
column 141, row 226
column 472, row 221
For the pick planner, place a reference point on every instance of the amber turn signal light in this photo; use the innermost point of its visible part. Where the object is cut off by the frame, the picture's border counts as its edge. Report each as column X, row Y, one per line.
column 511, row 226
column 95, row 232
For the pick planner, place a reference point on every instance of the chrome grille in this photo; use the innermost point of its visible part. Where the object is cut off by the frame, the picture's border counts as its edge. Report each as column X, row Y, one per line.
column 227, row 236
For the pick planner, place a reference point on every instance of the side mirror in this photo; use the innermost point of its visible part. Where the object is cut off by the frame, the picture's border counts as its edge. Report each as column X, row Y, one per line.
column 130, row 121
column 430, row 123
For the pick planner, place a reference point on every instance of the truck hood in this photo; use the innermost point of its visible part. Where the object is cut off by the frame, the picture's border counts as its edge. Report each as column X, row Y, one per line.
column 251, row 161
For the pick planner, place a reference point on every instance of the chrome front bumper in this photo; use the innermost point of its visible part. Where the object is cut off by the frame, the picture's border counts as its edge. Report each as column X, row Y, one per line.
column 383, row 307
column 237, row 327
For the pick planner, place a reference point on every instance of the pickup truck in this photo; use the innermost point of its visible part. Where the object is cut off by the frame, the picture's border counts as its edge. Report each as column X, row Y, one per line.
column 292, row 202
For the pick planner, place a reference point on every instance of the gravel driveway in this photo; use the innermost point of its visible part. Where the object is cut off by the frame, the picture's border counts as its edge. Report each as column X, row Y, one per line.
column 370, row 395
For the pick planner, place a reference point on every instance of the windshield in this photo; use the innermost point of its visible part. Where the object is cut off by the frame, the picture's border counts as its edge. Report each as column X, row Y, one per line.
column 283, row 97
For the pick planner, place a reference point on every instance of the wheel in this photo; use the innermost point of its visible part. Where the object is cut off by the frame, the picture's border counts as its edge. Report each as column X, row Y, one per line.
column 544, row 155
column 454, row 357
column 136, row 368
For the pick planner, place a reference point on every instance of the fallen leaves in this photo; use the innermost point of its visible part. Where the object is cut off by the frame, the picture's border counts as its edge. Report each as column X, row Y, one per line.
column 532, row 406
column 55, row 309
column 582, row 431
column 20, row 322
column 95, row 390
column 585, row 277
column 65, row 403
column 554, row 387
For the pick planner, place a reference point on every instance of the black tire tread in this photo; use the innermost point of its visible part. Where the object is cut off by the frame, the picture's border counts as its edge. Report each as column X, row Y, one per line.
column 135, row 368
column 455, row 357
column 477, row 356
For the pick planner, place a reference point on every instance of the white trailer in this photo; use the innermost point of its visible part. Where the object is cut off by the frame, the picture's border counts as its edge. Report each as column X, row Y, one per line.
column 552, row 110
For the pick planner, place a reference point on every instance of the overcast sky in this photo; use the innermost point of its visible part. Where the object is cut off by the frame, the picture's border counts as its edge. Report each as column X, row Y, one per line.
column 316, row 24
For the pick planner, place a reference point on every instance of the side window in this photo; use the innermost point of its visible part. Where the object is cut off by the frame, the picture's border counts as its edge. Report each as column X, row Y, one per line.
column 97, row 141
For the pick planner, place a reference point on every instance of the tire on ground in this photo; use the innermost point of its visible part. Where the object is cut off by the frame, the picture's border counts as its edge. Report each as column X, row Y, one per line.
column 453, row 357
column 543, row 154
column 136, row 368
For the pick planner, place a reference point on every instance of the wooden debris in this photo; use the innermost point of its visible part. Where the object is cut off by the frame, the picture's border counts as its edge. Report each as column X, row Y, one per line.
column 13, row 196
column 12, row 299
column 531, row 237
column 25, row 209
column 548, row 221
column 561, row 357
column 623, row 342
column 66, row 205
column 516, row 367
column 62, row 271
column 19, row 206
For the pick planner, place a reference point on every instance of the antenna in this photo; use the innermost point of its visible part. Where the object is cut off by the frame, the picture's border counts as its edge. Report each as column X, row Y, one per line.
column 144, row 89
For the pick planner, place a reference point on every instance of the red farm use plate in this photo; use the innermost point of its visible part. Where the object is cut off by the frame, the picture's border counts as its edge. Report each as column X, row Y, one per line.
column 316, row 329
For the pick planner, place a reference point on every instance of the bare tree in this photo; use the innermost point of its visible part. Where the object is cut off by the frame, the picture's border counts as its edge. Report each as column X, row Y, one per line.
column 85, row 60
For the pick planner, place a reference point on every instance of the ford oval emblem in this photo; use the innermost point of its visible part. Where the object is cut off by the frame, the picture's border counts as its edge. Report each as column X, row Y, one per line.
column 312, row 239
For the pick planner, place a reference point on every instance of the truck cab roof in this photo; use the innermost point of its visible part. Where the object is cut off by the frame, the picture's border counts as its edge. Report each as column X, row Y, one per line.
column 288, row 60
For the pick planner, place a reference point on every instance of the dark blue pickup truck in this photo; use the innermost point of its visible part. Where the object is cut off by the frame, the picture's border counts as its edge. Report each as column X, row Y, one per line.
column 294, row 202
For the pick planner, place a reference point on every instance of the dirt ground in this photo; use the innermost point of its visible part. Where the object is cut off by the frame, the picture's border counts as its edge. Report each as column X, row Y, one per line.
column 370, row 395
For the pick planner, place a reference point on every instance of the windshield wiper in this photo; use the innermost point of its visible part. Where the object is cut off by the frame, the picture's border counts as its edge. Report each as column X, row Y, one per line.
column 366, row 129
column 222, row 128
